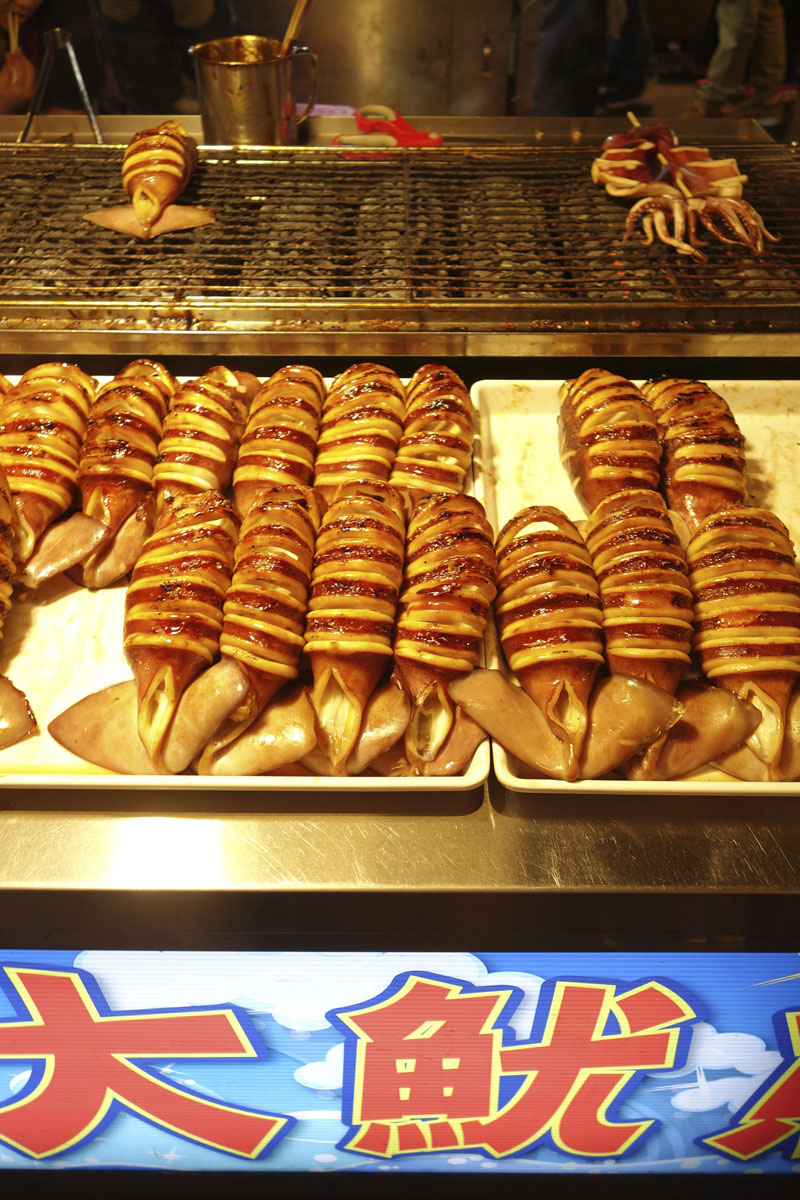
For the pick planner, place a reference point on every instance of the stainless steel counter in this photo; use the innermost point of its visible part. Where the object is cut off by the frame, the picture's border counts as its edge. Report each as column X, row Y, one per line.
column 461, row 843
column 468, row 847
column 495, row 243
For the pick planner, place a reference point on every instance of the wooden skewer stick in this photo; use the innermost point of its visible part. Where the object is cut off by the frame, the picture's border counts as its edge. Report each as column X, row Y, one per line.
column 13, row 32
column 665, row 162
column 298, row 13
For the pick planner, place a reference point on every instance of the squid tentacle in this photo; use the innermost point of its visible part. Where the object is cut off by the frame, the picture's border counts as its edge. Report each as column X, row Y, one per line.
column 656, row 213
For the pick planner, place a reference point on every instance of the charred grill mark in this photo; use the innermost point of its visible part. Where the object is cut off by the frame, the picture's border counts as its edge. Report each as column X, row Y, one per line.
column 608, row 436
column 447, row 594
column 358, row 567
column 644, row 587
column 359, row 440
column 435, row 447
column 737, row 556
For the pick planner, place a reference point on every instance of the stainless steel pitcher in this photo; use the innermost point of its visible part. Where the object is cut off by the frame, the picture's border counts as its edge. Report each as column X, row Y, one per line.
column 247, row 92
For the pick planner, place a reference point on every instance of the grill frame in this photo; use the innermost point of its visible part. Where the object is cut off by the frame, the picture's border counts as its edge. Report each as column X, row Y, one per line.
column 450, row 302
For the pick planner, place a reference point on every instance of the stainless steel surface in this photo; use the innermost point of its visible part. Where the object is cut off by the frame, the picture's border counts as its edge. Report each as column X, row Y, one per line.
column 476, row 848
column 466, row 249
column 249, row 94
column 470, row 844
column 446, row 57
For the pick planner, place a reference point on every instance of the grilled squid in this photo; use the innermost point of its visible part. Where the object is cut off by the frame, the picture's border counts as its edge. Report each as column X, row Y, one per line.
column 644, row 587
column 448, row 589
column 156, row 167
column 550, row 621
column 115, row 476
column 7, row 542
column 746, row 590
column 173, row 606
column 117, row 460
column 647, row 160
column 362, row 421
column 435, row 448
column 644, row 591
column 608, row 436
column 280, row 440
column 703, row 464
column 42, row 424
column 16, row 719
column 265, row 608
column 358, row 569
column 201, row 434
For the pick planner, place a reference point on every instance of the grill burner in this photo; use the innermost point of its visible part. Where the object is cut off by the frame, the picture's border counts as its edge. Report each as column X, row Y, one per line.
column 438, row 239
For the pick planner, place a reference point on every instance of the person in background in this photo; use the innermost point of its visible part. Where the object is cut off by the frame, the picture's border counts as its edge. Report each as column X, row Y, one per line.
column 590, row 53
column 629, row 61
column 18, row 72
column 20, row 69
column 570, row 58
column 751, row 42
column 147, row 44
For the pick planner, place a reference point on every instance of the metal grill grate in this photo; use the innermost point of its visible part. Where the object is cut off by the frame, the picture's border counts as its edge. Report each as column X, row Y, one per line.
column 454, row 238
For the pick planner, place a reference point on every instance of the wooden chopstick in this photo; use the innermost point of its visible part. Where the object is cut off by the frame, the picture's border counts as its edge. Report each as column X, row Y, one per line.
column 13, row 32
column 294, row 24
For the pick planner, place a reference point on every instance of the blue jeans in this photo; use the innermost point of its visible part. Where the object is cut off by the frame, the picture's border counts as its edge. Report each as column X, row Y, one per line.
column 571, row 57
column 752, row 41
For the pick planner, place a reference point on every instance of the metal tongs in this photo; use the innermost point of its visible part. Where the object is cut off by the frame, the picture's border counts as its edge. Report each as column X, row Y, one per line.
column 55, row 40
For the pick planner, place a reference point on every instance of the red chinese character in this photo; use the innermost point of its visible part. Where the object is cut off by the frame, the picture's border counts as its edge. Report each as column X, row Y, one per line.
column 87, row 1069
column 429, row 1060
column 774, row 1116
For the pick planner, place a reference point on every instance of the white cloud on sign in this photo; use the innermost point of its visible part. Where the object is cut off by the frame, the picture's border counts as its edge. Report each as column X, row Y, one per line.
column 295, row 988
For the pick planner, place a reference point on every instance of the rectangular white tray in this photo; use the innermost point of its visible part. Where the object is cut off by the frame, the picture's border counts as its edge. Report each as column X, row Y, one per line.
column 519, row 464
column 63, row 642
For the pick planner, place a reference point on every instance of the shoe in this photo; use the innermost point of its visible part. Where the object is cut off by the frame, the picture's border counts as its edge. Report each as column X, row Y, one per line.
column 699, row 109
column 758, row 110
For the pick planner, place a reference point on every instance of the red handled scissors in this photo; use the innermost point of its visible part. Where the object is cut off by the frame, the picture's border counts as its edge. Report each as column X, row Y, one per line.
column 381, row 126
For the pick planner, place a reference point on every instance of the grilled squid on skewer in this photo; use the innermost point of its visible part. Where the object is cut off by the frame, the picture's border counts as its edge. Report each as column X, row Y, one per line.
column 703, row 463
column 115, row 472
column 732, row 221
column 156, row 167
column 265, row 608
column 173, row 607
column 667, row 217
column 42, row 424
column 201, row 434
column 358, row 569
column 746, row 588
column 647, row 160
column 115, row 476
column 8, row 539
column 645, row 594
column 550, row 620
column 448, row 589
column 280, row 440
column 644, row 587
column 435, row 448
column 16, row 719
column 608, row 436
column 362, row 421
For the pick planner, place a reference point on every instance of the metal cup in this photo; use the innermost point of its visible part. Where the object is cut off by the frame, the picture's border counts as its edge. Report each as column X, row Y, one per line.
column 247, row 92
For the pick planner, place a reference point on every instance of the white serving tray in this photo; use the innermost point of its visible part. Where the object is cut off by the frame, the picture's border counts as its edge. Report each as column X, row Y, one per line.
column 519, row 464
column 63, row 642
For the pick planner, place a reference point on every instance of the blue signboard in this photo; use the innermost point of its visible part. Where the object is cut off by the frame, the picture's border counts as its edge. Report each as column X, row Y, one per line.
column 403, row 1062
